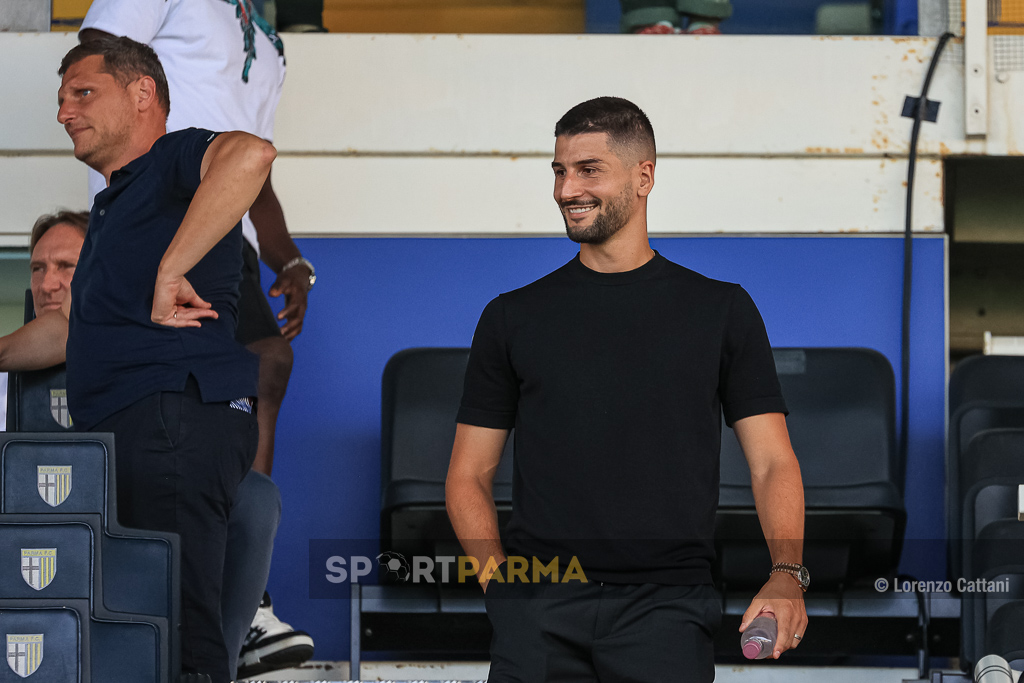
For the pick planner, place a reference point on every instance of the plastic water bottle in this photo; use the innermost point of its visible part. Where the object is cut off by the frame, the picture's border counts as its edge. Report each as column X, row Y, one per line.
column 758, row 640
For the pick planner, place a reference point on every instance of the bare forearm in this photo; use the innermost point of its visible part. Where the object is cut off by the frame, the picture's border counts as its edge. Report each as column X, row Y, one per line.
column 475, row 519
column 39, row 344
column 779, row 496
column 230, row 183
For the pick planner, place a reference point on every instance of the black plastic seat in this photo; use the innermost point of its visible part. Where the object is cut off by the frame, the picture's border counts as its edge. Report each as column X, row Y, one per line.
column 992, row 546
column 985, row 393
column 842, row 424
column 1004, row 636
column 420, row 397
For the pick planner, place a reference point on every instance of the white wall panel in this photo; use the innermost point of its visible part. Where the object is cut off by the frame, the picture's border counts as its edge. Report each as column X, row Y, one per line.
column 33, row 185
column 496, row 195
column 757, row 133
column 724, row 95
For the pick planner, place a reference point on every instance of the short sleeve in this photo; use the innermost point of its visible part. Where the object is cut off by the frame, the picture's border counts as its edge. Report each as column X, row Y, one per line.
column 491, row 392
column 140, row 20
column 748, row 382
column 189, row 148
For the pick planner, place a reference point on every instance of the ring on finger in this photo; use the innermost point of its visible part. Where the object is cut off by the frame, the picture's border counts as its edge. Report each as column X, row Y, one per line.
column 798, row 637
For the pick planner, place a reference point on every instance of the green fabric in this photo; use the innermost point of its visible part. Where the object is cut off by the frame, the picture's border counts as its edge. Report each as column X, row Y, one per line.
column 713, row 9
column 637, row 13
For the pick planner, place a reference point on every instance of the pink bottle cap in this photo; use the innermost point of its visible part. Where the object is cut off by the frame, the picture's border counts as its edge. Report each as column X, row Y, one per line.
column 752, row 649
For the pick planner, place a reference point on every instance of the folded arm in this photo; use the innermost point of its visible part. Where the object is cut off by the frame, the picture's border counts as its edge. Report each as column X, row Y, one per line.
column 469, row 493
column 779, row 497
column 36, row 345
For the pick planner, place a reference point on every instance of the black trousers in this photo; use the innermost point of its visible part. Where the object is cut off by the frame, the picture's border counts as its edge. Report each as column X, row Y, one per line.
column 575, row 632
column 178, row 464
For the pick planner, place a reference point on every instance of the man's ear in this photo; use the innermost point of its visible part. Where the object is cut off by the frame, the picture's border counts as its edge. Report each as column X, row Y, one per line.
column 645, row 173
column 144, row 93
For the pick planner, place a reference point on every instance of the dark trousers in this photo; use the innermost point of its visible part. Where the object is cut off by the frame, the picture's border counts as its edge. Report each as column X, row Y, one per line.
column 576, row 632
column 178, row 464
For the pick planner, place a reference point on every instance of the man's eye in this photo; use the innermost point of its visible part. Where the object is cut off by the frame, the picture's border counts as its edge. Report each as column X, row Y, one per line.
column 83, row 93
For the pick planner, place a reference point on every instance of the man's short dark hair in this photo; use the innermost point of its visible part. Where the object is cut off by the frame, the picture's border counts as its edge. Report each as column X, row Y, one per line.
column 627, row 126
column 125, row 60
column 76, row 219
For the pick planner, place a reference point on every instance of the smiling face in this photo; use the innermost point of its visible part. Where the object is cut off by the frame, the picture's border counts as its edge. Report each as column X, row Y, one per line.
column 594, row 188
column 53, row 263
column 95, row 110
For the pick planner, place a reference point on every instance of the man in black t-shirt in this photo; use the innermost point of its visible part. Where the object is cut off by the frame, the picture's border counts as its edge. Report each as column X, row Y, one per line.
column 614, row 371
column 151, row 353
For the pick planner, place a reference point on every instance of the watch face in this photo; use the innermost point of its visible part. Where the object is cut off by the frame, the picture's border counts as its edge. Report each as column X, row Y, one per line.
column 804, row 576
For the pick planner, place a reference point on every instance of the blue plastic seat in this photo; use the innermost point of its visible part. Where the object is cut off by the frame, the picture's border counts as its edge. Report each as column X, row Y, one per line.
column 57, row 473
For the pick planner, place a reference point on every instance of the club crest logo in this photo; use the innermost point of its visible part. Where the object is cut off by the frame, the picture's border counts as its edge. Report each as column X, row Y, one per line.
column 24, row 653
column 54, row 483
column 59, row 407
column 38, row 566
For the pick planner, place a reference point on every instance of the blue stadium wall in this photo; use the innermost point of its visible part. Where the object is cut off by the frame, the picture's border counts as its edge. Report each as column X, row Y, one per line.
column 377, row 296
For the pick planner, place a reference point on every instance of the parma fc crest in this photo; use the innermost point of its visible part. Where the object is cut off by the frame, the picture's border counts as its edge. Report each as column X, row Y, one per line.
column 38, row 566
column 59, row 407
column 54, row 483
column 24, row 652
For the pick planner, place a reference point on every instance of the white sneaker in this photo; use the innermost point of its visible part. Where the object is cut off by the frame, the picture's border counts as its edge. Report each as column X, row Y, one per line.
column 272, row 644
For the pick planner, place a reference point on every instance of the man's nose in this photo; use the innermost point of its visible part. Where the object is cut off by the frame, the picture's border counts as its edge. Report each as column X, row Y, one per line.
column 51, row 280
column 570, row 187
column 64, row 113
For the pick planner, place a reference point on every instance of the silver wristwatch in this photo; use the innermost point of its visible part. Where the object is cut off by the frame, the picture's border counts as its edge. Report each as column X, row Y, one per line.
column 299, row 260
column 797, row 571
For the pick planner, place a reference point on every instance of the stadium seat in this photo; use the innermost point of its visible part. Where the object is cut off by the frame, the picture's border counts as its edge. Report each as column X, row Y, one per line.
column 420, row 397
column 57, row 641
column 56, row 473
column 57, row 495
column 992, row 544
column 985, row 393
column 46, row 639
column 842, row 424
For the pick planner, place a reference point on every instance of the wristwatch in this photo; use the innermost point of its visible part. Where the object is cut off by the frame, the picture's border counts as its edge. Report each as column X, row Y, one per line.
column 797, row 571
column 299, row 260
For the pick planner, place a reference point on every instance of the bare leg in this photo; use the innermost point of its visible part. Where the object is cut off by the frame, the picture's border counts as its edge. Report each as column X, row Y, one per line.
column 275, row 368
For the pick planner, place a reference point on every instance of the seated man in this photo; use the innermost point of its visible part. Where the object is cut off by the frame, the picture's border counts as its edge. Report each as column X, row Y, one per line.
column 55, row 244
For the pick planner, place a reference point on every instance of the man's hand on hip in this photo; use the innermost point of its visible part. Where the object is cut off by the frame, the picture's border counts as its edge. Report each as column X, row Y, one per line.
column 176, row 304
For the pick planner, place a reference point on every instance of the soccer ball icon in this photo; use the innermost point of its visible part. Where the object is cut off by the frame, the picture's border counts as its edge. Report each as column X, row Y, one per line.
column 393, row 567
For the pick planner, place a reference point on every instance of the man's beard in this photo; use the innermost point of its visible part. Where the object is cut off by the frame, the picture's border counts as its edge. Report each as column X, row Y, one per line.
column 606, row 224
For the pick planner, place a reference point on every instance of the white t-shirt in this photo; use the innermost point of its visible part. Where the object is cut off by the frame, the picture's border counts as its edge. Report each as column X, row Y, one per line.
column 224, row 64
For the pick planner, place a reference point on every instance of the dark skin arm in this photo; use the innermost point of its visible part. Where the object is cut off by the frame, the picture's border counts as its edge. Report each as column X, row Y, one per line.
column 276, row 250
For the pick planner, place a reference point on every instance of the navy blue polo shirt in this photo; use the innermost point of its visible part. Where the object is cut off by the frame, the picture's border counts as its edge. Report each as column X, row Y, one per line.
column 116, row 355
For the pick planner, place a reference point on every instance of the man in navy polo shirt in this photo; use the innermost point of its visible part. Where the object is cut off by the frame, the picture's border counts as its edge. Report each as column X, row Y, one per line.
column 151, row 354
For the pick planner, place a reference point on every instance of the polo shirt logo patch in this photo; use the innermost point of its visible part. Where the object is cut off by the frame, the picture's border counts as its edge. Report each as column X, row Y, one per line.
column 59, row 407
column 53, row 483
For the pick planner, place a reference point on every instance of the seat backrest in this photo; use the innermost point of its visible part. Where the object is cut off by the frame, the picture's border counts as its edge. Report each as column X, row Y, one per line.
column 842, row 419
column 57, row 473
column 420, row 398
column 986, row 378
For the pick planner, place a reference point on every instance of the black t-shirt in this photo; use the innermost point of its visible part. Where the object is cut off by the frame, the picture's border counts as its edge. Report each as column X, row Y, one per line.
column 116, row 354
column 615, row 384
